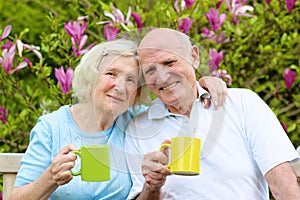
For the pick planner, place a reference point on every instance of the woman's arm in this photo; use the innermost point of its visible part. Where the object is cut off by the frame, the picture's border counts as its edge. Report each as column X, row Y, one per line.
column 58, row 173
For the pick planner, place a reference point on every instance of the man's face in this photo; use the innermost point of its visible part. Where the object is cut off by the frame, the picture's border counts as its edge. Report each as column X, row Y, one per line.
column 170, row 75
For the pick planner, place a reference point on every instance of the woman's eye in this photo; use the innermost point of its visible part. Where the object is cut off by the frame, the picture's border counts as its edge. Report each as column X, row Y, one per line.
column 110, row 74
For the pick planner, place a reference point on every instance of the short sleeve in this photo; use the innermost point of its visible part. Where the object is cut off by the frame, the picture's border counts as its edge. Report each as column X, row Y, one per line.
column 265, row 134
column 38, row 154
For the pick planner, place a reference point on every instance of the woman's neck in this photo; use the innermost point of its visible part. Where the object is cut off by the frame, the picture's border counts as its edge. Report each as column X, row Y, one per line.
column 91, row 120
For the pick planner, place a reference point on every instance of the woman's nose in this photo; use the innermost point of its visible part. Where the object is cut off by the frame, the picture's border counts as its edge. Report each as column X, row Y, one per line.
column 120, row 85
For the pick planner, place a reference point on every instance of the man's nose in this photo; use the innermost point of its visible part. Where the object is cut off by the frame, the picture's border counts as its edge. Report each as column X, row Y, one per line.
column 162, row 74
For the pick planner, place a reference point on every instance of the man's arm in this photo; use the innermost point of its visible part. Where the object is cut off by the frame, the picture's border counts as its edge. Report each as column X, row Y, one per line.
column 283, row 183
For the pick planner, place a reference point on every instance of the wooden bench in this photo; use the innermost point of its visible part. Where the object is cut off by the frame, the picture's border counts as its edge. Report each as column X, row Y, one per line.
column 10, row 164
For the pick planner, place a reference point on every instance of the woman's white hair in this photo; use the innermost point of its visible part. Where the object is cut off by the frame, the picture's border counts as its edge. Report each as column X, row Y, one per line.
column 87, row 72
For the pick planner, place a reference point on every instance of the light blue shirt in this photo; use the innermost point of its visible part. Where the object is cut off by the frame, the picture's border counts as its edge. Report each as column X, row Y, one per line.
column 56, row 130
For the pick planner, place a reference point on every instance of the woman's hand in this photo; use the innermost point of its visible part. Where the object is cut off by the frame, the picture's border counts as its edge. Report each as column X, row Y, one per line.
column 61, row 165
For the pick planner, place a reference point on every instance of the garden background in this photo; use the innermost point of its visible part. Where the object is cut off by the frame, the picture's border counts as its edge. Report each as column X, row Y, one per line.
column 251, row 44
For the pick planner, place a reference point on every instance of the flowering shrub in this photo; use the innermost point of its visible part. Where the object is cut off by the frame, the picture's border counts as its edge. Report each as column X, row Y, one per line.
column 249, row 44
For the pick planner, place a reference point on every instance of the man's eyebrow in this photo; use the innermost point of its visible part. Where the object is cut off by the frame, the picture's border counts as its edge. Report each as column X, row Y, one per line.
column 168, row 60
column 149, row 67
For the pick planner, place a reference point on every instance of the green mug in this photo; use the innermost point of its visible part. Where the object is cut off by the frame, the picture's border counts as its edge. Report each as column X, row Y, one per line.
column 94, row 163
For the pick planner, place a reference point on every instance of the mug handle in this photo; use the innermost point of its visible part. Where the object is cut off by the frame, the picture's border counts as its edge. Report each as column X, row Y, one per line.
column 164, row 145
column 77, row 152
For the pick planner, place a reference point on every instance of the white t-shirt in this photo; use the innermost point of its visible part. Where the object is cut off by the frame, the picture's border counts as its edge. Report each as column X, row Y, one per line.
column 250, row 143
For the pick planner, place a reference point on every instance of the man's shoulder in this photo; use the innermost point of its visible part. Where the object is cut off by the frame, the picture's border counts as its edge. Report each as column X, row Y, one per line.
column 241, row 92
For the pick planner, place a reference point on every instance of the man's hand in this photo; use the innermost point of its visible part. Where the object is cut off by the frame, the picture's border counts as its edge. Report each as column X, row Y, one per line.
column 217, row 89
column 154, row 169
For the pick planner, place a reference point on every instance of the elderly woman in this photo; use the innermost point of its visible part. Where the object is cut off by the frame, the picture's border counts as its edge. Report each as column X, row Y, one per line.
column 108, row 87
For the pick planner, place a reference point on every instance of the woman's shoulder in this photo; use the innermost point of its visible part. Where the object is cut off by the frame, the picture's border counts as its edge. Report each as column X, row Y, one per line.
column 56, row 117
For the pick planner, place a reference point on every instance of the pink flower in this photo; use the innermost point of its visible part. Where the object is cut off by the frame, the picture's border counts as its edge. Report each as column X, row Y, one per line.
column 238, row 8
column 116, row 17
column 268, row 1
column 137, row 20
column 7, row 45
column 76, row 31
column 184, row 3
column 290, row 5
column 215, row 59
column 110, row 32
column 189, row 3
column 64, row 79
column 214, row 19
column 185, row 25
column 22, row 46
column 289, row 77
column 284, row 126
column 3, row 114
column 218, row 5
column 222, row 74
column 7, row 61
column 6, row 32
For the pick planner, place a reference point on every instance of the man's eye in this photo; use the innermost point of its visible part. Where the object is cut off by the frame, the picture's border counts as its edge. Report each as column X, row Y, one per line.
column 149, row 70
column 170, row 62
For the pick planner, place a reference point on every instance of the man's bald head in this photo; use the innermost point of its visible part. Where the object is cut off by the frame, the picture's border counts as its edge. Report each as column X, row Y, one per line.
column 166, row 39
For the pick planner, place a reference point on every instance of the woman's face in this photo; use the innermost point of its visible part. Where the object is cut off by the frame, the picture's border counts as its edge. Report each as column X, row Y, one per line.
column 117, row 85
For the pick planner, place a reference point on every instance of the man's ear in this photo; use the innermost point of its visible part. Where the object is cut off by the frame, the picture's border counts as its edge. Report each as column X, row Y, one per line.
column 195, row 57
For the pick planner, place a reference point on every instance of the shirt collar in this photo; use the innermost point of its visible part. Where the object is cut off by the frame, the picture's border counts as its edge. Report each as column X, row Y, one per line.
column 159, row 110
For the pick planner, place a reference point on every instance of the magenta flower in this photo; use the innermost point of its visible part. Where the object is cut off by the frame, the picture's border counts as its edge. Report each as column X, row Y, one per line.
column 185, row 25
column 76, row 31
column 137, row 20
column 184, row 3
column 289, row 77
column 284, row 126
column 238, row 8
column 222, row 74
column 7, row 61
column 22, row 46
column 3, row 114
column 110, row 32
column 6, row 32
column 111, row 29
column 7, row 45
column 214, row 19
column 64, row 79
column 209, row 34
column 218, row 5
column 290, row 5
column 268, row 1
column 189, row 3
column 215, row 59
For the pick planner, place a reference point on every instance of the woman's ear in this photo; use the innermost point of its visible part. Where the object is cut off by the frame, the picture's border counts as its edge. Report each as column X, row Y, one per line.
column 195, row 57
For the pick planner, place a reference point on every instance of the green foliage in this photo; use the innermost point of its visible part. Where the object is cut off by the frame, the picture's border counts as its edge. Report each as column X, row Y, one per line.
column 256, row 55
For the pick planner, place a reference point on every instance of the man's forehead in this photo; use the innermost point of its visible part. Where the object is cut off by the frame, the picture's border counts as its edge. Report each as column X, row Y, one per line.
column 153, row 55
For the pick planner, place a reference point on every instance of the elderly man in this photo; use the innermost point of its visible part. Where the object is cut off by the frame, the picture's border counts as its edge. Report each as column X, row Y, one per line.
column 248, row 149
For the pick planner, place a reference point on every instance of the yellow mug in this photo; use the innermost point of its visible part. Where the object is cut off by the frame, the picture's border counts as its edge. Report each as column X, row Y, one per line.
column 184, row 155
